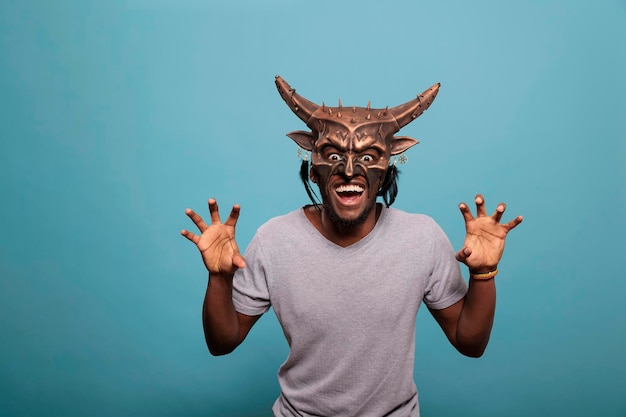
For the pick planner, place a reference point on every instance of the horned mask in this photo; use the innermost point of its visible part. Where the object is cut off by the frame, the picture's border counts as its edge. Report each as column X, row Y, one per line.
column 352, row 131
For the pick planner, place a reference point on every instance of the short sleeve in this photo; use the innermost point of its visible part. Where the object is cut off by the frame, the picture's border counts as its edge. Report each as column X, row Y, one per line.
column 445, row 285
column 250, row 290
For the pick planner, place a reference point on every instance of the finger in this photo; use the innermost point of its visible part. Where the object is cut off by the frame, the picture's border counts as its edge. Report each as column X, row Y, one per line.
column 190, row 236
column 214, row 210
column 467, row 213
column 463, row 254
column 513, row 223
column 196, row 219
column 234, row 215
column 480, row 205
column 497, row 215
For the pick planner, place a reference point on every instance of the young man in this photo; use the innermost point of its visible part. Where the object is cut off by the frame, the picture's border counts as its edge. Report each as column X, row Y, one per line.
column 346, row 276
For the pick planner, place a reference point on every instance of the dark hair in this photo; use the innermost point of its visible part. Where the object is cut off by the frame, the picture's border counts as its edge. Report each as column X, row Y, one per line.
column 389, row 189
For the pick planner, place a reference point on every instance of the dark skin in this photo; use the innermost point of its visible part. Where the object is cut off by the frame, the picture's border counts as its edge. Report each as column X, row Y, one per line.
column 224, row 328
column 467, row 324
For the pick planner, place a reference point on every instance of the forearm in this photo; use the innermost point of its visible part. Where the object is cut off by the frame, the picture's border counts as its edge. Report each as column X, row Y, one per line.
column 476, row 319
column 219, row 318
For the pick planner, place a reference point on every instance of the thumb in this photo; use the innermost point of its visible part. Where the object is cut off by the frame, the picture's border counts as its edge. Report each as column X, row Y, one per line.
column 239, row 261
column 463, row 254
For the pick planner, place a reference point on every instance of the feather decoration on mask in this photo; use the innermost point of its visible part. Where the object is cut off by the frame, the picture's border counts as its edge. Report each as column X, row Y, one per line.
column 389, row 189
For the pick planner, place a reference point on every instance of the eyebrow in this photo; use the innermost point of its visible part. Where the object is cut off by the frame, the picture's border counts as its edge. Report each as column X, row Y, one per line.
column 330, row 148
column 330, row 141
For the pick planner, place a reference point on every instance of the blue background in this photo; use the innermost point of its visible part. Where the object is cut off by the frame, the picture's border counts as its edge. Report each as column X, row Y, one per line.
column 117, row 115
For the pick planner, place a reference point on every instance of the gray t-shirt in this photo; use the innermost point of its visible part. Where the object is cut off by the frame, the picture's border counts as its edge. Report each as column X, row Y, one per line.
column 348, row 313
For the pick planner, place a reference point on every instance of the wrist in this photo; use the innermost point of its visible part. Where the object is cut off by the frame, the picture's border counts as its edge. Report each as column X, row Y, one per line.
column 482, row 275
column 221, row 278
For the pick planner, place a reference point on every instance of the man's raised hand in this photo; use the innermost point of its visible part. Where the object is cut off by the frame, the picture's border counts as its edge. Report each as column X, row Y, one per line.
column 216, row 242
column 485, row 236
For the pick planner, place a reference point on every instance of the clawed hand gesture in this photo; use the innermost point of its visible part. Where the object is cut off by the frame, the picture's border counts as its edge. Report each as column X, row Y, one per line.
column 216, row 243
column 485, row 236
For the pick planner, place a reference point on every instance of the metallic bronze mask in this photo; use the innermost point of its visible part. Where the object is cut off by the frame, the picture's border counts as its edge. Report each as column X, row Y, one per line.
column 351, row 141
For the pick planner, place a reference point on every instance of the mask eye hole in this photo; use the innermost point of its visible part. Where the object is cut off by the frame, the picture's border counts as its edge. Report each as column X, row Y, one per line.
column 369, row 158
column 332, row 154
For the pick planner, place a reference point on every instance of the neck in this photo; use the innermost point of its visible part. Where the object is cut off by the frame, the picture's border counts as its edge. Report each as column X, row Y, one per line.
column 341, row 234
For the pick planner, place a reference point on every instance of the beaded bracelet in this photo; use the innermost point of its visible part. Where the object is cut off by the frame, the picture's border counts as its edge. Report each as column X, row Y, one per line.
column 484, row 277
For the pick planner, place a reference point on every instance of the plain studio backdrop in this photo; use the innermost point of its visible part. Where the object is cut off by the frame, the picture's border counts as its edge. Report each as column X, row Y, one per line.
column 115, row 116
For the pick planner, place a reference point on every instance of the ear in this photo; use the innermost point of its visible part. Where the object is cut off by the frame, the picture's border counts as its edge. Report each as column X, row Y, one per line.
column 306, row 140
column 312, row 175
column 400, row 144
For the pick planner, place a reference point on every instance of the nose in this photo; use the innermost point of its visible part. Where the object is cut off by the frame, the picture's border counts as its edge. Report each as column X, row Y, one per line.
column 349, row 170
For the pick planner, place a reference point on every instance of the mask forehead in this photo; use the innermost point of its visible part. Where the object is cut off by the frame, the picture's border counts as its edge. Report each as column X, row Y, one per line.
column 352, row 138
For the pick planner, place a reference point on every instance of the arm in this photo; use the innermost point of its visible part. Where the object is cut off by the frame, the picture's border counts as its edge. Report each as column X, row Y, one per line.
column 224, row 328
column 467, row 324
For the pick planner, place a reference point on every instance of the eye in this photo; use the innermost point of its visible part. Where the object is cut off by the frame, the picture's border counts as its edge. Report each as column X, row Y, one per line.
column 334, row 157
column 368, row 158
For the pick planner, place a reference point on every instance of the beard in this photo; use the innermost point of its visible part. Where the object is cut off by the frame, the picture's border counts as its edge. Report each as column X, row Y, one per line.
column 347, row 223
column 338, row 220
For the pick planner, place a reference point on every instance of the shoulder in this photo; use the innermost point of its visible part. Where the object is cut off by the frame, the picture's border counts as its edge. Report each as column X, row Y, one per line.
column 283, row 226
column 411, row 228
column 284, row 234
column 399, row 218
column 279, row 222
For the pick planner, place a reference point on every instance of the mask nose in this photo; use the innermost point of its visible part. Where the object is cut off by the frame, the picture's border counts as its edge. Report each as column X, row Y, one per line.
column 349, row 168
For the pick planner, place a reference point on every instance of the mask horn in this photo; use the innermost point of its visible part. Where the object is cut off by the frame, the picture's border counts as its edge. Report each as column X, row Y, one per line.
column 407, row 112
column 302, row 107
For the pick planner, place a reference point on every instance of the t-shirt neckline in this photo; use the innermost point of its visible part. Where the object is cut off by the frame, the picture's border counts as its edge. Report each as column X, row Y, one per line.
column 353, row 247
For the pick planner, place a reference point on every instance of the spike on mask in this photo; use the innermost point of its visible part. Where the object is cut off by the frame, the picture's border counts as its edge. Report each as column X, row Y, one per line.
column 360, row 144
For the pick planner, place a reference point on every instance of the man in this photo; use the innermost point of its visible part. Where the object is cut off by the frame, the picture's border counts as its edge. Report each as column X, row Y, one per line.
column 346, row 277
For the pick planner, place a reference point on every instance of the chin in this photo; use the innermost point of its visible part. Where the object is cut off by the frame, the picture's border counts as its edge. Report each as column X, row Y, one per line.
column 351, row 221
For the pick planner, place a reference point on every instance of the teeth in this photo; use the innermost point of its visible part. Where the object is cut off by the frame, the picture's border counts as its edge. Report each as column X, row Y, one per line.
column 349, row 188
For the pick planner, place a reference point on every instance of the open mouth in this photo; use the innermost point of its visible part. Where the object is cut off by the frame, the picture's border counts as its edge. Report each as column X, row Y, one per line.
column 349, row 193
